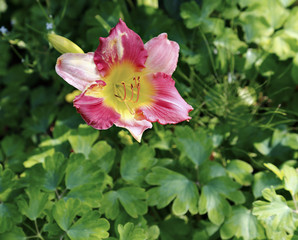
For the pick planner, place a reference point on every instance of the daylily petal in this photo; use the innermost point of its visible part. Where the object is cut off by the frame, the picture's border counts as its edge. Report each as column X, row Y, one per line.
column 135, row 127
column 78, row 69
column 121, row 45
column 168, row 106
column 94, row 111
column 162, row 54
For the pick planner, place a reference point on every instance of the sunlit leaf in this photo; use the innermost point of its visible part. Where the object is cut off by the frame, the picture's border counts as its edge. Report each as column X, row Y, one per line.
column 243, row 224
column 81, row 140
column 275, row 213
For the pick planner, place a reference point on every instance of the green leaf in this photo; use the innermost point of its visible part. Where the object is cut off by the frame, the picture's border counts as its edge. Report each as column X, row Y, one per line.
column 205, row 230
column 102, row 155
column 213, row 198
column 243, row 224
column 87, row 194
column 131, row 198
column 263, row 147
column 136, row 162
column 90, row 226
column 209, row 170
column 60, row 138
column 53, row 230
column 275, row 170
column 54, row 171
column 209, row 6
column 290, row 140
column 197, row 146
column 190, row 12
column 38, row 155
column 229, row 41
column 131, row 232
column 283, row 44
column 36, row 205
column 287, row 3
column 275, row 214
column 290, row 179
column 172, row 186
column 255, row 27
column 12, row 145
column 213, row 25
column 9, row 217
column 15, row 234
column 291, row 24
column 264, row 180
column 240, row 171
column 110, row 205
column 80, row 171
column 81, row 140
column 64, row 212
column 194, row 17
column 274, row 13
column 7, row 182
column 153, row 232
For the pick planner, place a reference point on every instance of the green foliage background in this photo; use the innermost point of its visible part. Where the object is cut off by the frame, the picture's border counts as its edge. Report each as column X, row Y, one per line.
column 229, row 173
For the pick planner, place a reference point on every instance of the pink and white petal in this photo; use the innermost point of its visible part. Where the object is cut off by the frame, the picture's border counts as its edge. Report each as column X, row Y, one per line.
column 135, row 127
column 121, row 45
column 94, row 111
column 78, row 69
column 168, row 106
column 162, row 54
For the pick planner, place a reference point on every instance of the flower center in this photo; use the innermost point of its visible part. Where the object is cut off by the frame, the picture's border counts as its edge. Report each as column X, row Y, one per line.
column 128, row 93
column 123, row 91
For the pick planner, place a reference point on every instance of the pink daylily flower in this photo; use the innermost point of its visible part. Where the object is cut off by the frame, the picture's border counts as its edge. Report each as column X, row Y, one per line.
column 125, row 82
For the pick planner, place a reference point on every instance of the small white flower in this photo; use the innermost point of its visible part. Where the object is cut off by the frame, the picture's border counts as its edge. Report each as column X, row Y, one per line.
column 3, row 30
column 215, row 51
column 49, row 26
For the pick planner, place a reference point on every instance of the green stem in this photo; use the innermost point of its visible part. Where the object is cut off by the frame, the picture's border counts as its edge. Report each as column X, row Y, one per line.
column 43, row 11
column 37, row 230
column 16, row 52
column 209, row 52
column 34, row 29
column 64, row 10
column 36, row 236
column 29, row 227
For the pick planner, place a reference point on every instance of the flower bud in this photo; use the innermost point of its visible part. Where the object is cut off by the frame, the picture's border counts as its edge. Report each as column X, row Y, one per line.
column 63, row 45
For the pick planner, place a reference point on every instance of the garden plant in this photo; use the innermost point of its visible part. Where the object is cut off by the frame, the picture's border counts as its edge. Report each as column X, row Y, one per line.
column 147, row 119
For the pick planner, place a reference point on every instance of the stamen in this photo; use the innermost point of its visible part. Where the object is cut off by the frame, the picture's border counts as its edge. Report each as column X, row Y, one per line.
column 134, row 79
column 116, row 91
column 134, row 85
column 131, row 87
column 138, row 94
column 124, row 91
